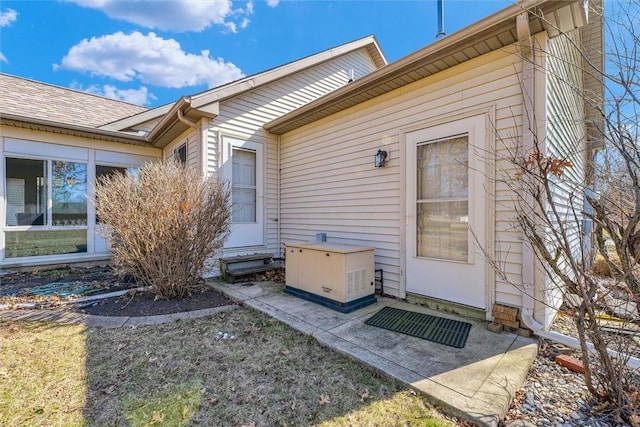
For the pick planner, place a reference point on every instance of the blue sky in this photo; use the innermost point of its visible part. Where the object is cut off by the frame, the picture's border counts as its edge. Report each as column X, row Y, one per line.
column 151, row 52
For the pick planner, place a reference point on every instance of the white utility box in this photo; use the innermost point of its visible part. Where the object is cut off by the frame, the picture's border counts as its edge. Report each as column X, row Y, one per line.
column 336, row 275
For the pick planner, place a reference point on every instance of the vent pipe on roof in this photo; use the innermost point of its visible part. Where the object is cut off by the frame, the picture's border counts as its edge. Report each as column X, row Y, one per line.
column 441, row 32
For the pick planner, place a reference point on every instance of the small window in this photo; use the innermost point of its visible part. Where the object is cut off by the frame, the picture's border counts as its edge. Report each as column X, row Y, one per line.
column 180, row 154
column 26, row 192
column 102, row 171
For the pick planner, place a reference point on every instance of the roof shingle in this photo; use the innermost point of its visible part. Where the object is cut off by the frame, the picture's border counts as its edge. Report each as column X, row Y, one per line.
column 28, row 98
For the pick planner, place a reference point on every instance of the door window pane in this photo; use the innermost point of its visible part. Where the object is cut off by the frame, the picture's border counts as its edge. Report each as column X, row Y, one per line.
column 443, row 169
column 442, row 208
column 443, row 230
column 26, row 192
column 243, row 185
column 69, row 193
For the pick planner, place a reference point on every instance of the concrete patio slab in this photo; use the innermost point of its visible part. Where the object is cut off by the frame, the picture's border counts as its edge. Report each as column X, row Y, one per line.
column 476, row 382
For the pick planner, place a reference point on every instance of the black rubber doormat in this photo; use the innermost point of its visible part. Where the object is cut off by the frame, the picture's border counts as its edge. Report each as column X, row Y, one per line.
column 433, row 328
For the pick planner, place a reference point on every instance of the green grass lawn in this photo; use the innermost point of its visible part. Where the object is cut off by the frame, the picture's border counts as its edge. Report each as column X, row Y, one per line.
column 181, row 374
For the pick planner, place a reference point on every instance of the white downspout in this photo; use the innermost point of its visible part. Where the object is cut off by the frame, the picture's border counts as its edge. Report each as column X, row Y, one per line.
column 219, row 155
column 204, row 145
column 186, row 121
column 528, row 256
column 279, row 141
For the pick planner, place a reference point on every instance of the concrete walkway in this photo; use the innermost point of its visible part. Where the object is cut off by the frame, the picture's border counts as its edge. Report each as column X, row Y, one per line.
column 476, row 383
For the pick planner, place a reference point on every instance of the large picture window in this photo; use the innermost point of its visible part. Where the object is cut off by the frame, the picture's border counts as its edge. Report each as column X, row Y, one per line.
column 46, row 209
column 69, row 193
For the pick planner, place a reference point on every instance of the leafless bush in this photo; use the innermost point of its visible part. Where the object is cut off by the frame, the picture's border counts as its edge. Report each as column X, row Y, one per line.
column 563, row 214
column 164, row 224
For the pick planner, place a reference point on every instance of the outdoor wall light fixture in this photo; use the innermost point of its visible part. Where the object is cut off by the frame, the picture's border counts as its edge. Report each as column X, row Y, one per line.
column 381, row 157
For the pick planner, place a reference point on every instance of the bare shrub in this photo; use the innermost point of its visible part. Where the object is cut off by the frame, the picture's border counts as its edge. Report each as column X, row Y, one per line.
column 565, row 216
column 164, row 224
column 601, row 265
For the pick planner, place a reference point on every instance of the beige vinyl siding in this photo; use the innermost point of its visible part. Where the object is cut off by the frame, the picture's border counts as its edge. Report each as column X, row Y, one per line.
column 566, row 138
column 244, row 116
column 214, row 156
column 329, row 183
column 191, row 137
column 566, row 133
column 592, row 38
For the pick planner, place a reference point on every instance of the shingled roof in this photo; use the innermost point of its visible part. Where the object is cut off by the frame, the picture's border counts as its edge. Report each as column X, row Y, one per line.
column 28, row 98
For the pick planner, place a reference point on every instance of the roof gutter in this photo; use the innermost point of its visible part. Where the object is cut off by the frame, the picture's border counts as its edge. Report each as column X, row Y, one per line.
column 528, row 255
column 440, row 49
column 416, row 59
column 164, row 129
column 251, row 82
column 186, row 121
column 167, row 119
column 69, row 129
column 175, row 114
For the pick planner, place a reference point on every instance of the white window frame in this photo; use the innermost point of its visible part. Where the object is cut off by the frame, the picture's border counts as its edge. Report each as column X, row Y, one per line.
column 48, row 223
column 176, row 153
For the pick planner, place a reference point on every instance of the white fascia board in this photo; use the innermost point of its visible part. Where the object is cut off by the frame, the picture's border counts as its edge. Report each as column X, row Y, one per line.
column 248, row 83
column 211, row 110
column 143, row 117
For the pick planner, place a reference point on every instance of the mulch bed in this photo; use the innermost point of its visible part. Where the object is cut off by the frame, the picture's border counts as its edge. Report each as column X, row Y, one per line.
column 145, row 304
column 15, row 287
column 20, row 282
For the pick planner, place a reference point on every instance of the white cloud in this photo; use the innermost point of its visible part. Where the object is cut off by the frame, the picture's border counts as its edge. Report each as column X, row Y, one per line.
column 134, row 96
column 273, row 3
column 231, row 27
column 8, row 17
column 148, row 58
column 173, row 15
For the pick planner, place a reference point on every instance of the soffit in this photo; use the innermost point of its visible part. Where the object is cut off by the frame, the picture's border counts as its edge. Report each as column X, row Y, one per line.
column 490, row 34
column 32, row 123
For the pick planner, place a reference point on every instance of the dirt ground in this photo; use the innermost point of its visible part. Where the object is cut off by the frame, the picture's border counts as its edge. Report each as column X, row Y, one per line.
column 17, row 287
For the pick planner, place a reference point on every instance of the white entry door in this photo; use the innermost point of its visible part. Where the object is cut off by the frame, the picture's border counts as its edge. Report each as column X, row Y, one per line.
column 446, row 212
column 242, row 169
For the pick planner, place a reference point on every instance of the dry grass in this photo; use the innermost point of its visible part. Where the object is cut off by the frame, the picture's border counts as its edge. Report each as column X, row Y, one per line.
column 43, row 374
column 183, row 374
